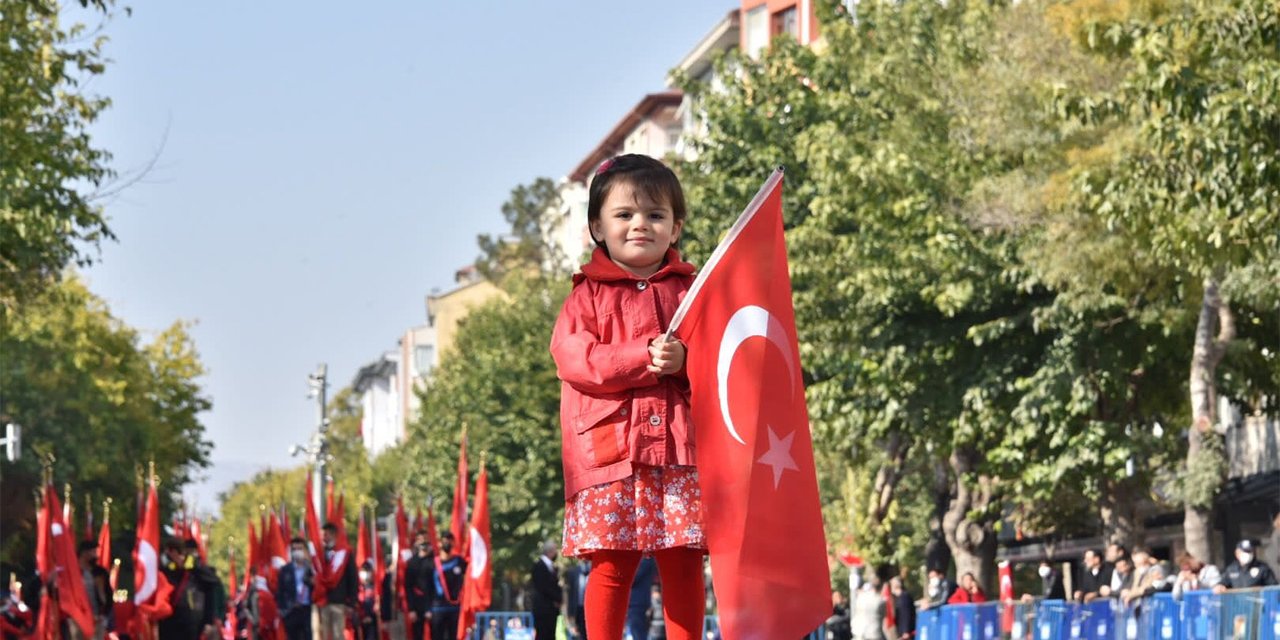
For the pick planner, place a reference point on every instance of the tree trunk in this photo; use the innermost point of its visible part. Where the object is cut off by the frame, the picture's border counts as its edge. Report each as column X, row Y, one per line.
column 936, row 552
column 884, row 493
column 972, row 541
column 1215, row 317
column 1119, row 511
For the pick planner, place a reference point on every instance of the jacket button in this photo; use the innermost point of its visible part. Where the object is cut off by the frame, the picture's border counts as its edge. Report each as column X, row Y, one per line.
column 642, row 285
column 622, row 412
column 655, row 420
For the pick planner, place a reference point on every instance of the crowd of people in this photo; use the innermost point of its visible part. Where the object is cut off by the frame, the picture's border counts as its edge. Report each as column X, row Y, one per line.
column 889, row 613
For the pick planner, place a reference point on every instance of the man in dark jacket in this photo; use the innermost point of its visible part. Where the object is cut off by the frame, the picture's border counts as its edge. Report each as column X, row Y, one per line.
column 575, row 582
column 194, row 593
column 450, row 572
column 1095, row 576
column 293, row 591
column 97, row 585
column 547, row 594
column 1247, row 571
column 939, row 590
column 904, row 608
column 419, row 574
column 839, row 625
column 1051, row 587
column 339, row 599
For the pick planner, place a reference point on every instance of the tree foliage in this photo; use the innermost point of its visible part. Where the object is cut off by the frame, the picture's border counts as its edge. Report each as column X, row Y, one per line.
column 90, row 393
column 49, row 166
column 500, row 384
column 527, row 248
column 957, row 174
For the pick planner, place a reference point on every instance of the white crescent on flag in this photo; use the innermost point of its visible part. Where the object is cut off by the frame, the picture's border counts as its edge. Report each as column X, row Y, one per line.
column 748, row 322
column 147, row 557
column 479, row 554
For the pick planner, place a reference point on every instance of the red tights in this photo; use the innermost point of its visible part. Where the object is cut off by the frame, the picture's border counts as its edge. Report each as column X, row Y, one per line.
column 683, row 598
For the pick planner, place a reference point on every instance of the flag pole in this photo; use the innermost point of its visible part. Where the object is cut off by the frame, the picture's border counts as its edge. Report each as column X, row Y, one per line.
column 734, row 231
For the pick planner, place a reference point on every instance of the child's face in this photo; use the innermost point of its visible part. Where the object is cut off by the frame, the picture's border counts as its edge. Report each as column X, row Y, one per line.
column 636, row 230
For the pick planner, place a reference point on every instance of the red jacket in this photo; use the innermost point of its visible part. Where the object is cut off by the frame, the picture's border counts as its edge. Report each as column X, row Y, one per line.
column 964, row 597
column 614, row 413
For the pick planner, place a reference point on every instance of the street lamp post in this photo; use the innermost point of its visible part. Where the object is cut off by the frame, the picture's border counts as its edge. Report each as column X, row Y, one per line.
column 318, row 449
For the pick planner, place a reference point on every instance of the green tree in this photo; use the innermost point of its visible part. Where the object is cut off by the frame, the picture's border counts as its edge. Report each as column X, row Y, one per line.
column 1187, row 179
column 89, row 393
column 527, row 248
column 49, row 167
column 500, row 384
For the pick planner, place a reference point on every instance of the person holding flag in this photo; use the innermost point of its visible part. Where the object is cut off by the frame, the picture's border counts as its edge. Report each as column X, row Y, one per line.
column 631, row 485
column 336, row 584
column 446, row 579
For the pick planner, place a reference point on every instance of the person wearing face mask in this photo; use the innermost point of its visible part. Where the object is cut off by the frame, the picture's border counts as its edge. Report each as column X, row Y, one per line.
column 367, row 603
column 293, row 591
column 1247, row 571
column 418, row 575
column 192, row 598
column 450, row 571
column 939, row 589
column 1051, row 587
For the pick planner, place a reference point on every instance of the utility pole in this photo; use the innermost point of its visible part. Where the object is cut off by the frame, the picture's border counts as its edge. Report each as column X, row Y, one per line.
column 318, row 449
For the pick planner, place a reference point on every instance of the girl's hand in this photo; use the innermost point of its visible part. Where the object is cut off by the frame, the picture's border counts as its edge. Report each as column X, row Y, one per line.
column 667, row 355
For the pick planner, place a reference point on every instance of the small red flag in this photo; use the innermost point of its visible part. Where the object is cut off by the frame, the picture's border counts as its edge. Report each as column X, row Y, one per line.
column 458, row 521
column 363, row 553
column 73, row 600
column 755, row 455
column 1006, row 596
column 477, row 588
column 196, row 532
column 104, row 542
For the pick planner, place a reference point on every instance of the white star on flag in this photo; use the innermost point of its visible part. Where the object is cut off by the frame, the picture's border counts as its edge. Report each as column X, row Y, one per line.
column 779, row 455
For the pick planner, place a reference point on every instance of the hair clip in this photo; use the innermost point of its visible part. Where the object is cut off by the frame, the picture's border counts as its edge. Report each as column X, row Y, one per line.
column 604, row 166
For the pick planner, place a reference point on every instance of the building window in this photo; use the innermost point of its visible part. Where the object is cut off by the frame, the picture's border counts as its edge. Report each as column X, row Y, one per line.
column 757, row 30
column 787, row 21
column 424, row 356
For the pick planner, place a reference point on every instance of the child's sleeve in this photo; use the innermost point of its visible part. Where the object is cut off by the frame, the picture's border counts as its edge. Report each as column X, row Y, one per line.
column 590, row 365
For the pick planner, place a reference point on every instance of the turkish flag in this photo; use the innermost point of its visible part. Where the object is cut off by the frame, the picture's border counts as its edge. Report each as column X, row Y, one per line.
column 195, row 531
column 64, row 565
column 363, row 553
column 1006, row 596
column 146, row 552
column 755, row 456
column 477, row 589
column 403, row 552
column 458, row 522
column 104, row 545
column 277, row 549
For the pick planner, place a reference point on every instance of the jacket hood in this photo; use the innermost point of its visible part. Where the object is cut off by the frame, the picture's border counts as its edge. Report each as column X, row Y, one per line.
column 603, row 269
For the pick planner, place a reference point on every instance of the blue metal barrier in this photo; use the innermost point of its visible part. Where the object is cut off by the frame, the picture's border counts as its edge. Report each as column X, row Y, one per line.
column 503, row 625
column 970, row 621
column 1024, row 621
column 1269, row 629
column 1160, row 619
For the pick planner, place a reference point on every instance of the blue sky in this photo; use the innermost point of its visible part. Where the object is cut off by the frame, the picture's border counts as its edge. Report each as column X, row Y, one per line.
column 322, row 168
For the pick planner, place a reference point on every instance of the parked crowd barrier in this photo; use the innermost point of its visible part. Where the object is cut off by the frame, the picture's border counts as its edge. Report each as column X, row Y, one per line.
column 1247, row 614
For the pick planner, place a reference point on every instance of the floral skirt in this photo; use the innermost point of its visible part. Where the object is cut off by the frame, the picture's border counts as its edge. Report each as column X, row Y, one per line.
column 654, row 508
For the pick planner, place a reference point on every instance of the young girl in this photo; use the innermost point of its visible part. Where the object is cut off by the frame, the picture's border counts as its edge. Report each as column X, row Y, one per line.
column 630, row 485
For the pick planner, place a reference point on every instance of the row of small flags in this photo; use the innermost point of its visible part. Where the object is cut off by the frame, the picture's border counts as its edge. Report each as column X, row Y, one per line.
column 66, row 597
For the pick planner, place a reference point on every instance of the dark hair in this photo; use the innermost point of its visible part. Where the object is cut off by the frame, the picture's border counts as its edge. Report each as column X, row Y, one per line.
column 87, row 545
column 190, row 544
column 297, row 540
column 330, row 527
column 447, row 535
column 646, row 175
column 173, row 543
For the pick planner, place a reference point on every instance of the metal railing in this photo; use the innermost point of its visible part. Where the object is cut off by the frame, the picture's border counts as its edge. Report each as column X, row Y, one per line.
column 1246, row 614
